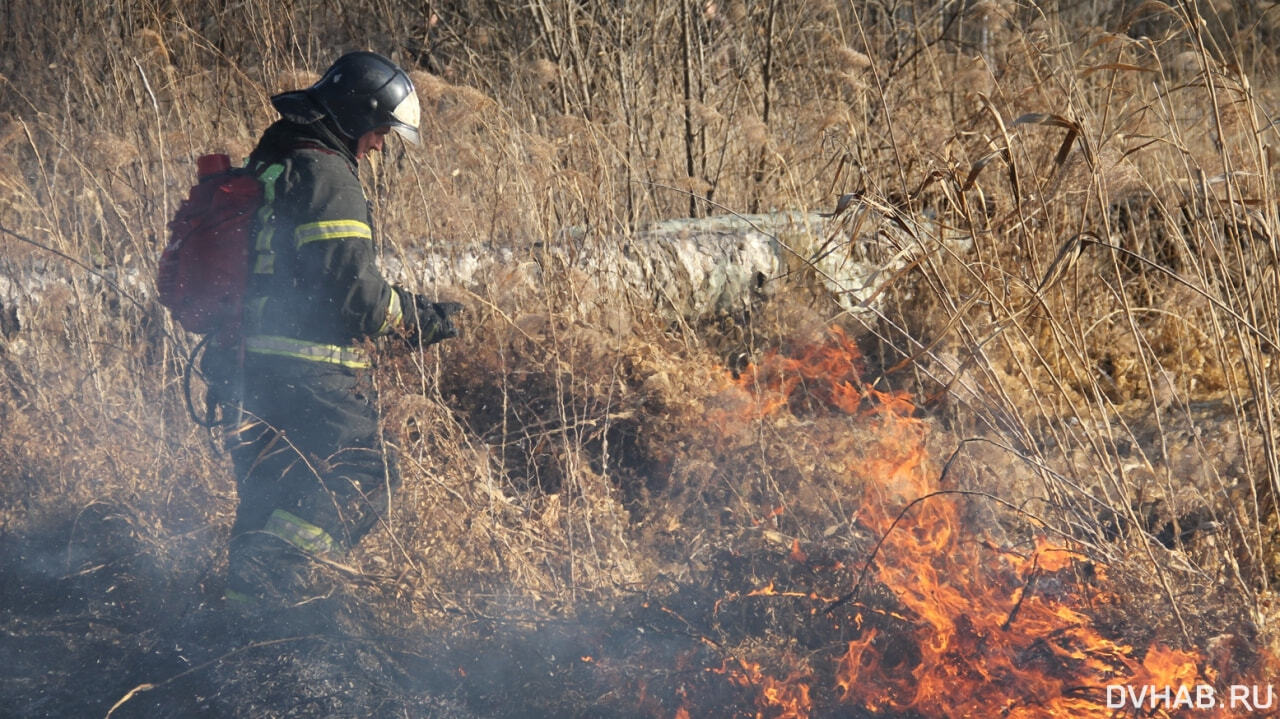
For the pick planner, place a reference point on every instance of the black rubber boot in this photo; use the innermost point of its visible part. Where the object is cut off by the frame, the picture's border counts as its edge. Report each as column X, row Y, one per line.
column 276, row 590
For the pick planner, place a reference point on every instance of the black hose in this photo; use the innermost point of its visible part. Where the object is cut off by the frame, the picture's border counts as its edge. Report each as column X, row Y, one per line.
column 209, row 421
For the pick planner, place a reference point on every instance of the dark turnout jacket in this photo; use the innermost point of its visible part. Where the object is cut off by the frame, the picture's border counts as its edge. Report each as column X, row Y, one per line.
column 305, row 412
column 315, row 289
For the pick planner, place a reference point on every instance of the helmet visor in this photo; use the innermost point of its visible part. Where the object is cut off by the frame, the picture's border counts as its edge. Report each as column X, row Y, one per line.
column 406, row 116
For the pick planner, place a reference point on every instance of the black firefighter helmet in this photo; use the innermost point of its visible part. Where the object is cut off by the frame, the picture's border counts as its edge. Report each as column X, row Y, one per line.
column 360, row 92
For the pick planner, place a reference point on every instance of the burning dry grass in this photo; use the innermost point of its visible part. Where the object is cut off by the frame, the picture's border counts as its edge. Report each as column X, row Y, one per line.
column 805, row 550
column 1051, row 467
column 968, row 627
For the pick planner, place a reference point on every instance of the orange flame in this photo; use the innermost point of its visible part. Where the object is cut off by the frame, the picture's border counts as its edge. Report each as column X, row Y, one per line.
column 797, row 554
column 984, row 641
column 785, row 699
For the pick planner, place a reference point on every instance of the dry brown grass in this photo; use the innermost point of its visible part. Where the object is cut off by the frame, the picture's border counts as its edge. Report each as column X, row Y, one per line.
column 554, row 460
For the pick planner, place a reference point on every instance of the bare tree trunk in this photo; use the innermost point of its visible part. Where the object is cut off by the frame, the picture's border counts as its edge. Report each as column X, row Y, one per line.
column 766, row 80
column 686, row 49
column 627, row 96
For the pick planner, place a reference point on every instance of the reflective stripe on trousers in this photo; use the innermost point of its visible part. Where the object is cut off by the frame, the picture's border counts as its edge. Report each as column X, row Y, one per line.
column 300, row 533
column 353, row 357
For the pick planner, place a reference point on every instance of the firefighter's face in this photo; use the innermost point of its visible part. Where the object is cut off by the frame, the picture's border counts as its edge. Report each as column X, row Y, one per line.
column 371, row 140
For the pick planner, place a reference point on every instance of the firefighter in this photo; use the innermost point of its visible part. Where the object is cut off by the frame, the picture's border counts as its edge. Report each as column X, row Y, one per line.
column 312, row 473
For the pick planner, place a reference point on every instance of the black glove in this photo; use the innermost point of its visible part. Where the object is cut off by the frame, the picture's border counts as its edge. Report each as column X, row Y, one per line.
column 432, row 321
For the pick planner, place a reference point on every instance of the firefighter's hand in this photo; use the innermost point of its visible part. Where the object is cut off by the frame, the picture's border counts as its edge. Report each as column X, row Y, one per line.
column 435, row 321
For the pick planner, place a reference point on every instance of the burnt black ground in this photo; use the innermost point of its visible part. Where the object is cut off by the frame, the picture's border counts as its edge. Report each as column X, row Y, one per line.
column 93, row 624
column 90, row 620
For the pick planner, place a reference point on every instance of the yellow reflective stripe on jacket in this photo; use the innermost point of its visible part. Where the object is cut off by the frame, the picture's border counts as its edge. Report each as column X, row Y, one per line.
column 395, row 314
column 331, row 230
column 300, row 533
column 265, row 260
column 352, row 357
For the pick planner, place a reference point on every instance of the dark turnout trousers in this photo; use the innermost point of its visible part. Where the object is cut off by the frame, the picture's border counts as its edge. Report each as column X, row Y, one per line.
column 310, row 467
